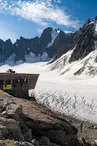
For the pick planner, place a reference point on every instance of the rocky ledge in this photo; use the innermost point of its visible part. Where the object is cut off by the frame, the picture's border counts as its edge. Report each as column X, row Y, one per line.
column 27, row 123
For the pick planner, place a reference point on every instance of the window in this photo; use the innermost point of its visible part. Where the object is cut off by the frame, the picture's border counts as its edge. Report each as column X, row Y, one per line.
column 1, row 82
column 8, row 82
column 15, row 81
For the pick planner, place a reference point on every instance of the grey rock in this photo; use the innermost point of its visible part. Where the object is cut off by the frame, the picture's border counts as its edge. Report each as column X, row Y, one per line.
column 45, row 141
column 28, row 135
column 16, row 143
column 12, row 125
column 25, row 144
column 35, row 142
column 60, row 136
column 3, row 130
column 2, row 143
column 14, row 110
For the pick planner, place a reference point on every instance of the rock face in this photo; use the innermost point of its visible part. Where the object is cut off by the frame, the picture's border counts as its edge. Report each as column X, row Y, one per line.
column 85, row 42
column 24, row 120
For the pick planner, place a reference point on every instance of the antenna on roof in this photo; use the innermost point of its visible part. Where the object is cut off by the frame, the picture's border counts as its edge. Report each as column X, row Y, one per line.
column 10, row 71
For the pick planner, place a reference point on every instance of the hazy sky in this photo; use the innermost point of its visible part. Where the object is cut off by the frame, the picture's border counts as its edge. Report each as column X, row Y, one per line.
column 28, row 18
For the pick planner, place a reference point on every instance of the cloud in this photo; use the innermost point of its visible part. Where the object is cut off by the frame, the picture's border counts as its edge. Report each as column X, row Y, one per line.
column 58, row 1
column 19, row 19
column 40, row 12
column 39, row 30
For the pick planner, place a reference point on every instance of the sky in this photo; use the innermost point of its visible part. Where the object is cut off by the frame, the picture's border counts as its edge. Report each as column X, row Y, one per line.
column 28, row 18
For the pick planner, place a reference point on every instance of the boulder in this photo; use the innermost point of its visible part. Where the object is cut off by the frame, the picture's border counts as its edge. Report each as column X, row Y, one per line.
column 14, row 110
column 11, row 124
column 28, row 135
column 3, row 130
column 45, row 123
column 60, row 136
column 45, row 141
column 2, row 143
column 35, row 142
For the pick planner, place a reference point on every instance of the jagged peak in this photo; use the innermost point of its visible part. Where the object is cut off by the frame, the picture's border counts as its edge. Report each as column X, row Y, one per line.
column 48, row 28
column 1, row 40
column 9, row 41
column 22, row 38
column 46, row 31
column 87, row 21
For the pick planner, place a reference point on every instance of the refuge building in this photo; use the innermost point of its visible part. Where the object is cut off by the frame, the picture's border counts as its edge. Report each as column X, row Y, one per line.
column 18, row 84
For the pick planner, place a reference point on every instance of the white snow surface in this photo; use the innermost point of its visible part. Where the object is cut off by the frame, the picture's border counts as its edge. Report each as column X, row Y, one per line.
column 96, row 27
column 54, row 35
column 31, row 58
column 44, row 56
column 71, row 95
column 86, row 67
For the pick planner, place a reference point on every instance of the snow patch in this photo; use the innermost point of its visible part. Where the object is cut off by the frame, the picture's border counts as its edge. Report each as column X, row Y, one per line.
column 95, row 44
column 96, row 27
column 31, row 58
column 19, row 62
column 44, row 56
column 28, row 49
column 9, row 60
column 54, row 35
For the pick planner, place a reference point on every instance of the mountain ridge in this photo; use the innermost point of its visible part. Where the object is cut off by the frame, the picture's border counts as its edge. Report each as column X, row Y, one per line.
column 52, row 44
column 37, row 46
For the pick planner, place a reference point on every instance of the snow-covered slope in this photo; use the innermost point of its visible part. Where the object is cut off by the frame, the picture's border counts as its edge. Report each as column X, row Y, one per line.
column 96, row 28
column 85, row 67
column 72, row 96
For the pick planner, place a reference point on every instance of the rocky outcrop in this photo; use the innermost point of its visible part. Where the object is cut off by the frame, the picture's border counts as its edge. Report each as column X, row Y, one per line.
column 84, row 42
column 45, row 123
column 62, row 44
column 24, row 120
column 81, row 42
column 6, row 49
